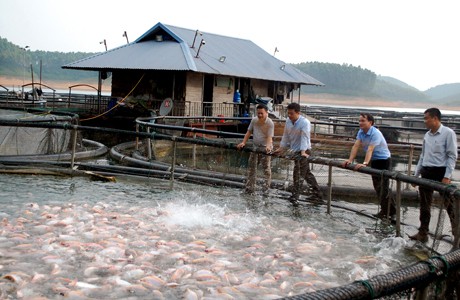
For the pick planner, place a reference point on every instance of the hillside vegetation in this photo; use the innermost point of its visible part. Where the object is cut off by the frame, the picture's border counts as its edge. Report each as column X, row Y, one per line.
column 355, row 81
column 446, row 93
column 16, row 62
column 339, row 79
column 393, row 89
column 344, row 80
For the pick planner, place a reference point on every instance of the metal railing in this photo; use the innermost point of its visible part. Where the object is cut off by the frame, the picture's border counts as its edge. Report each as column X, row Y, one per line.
column 322, row 146
column 80, row 102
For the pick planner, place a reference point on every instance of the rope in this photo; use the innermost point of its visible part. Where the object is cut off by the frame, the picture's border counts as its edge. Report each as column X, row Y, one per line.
column 118, row 103
column 369, row 287
column 431, row 267
column 34, row 115
column 446, row 264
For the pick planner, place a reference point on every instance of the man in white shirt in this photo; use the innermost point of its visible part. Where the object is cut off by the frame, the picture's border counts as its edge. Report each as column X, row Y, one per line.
column 437, row 162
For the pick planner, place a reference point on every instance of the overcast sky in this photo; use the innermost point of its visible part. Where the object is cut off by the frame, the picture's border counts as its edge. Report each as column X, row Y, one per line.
column 416, row 41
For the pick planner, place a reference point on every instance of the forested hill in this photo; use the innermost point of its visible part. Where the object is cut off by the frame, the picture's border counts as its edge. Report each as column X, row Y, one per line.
column 339, row 79
column 349, row 80
column 14, row 61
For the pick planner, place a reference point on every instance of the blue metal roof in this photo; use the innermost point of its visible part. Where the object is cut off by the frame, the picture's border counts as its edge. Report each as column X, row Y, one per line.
column 174, row 52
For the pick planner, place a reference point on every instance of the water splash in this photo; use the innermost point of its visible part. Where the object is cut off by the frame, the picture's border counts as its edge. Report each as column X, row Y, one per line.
column 121, row 241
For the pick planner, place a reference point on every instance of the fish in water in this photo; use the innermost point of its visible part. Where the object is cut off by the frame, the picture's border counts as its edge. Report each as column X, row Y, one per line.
column 116, row 247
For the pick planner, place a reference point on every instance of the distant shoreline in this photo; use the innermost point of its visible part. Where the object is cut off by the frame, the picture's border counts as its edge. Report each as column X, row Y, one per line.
column 368, row 102
column 307, row 99
column 16, row 83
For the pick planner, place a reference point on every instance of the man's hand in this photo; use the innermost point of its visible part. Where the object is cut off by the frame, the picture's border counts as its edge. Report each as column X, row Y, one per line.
column 359, row 166
column 346, row 163
column 416, row 176
column 240, row 146
column 446, row 180
column 278, row 151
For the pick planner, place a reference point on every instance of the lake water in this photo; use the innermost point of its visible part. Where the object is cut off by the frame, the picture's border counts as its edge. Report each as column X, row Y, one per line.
column 139, row 239
column 396, row 109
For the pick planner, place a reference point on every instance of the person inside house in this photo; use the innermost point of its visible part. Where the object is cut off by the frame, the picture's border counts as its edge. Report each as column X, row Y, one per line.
column 437, row 162
column 296, row 143
column 377, row 156
column 262, row 130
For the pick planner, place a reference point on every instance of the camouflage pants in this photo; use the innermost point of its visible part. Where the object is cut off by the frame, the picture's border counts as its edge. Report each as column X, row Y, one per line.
column 302, row 171
column 254, row 160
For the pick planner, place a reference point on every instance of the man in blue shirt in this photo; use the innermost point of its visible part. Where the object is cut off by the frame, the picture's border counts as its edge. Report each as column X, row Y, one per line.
column 378, row 157
column 437, row 162
column 296, row 139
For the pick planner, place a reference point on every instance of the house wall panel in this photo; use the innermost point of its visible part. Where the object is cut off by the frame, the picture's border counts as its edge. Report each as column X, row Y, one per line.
column 193, row 94
column 260, row 87
column 194, row 87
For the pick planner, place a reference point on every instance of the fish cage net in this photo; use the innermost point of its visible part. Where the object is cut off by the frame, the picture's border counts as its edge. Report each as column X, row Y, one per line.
column 28, row 141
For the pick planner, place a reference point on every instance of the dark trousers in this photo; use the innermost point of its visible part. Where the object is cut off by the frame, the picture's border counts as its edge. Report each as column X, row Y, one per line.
column 426, row 198
column 382, row 186
column 302, row 171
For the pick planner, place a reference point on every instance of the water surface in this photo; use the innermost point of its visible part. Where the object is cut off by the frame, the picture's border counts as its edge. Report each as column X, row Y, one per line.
column 139, row 239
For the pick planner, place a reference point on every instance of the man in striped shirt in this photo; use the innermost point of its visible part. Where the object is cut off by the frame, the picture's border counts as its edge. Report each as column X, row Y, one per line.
column 296, row 142
column 262, row 130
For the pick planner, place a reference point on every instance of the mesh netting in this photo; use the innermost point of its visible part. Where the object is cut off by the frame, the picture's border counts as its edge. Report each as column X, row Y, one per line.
column 33, row 141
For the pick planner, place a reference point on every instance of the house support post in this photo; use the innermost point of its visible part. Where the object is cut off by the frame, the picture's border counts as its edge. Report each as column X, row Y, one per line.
column 74, row 148
column 329, row 193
